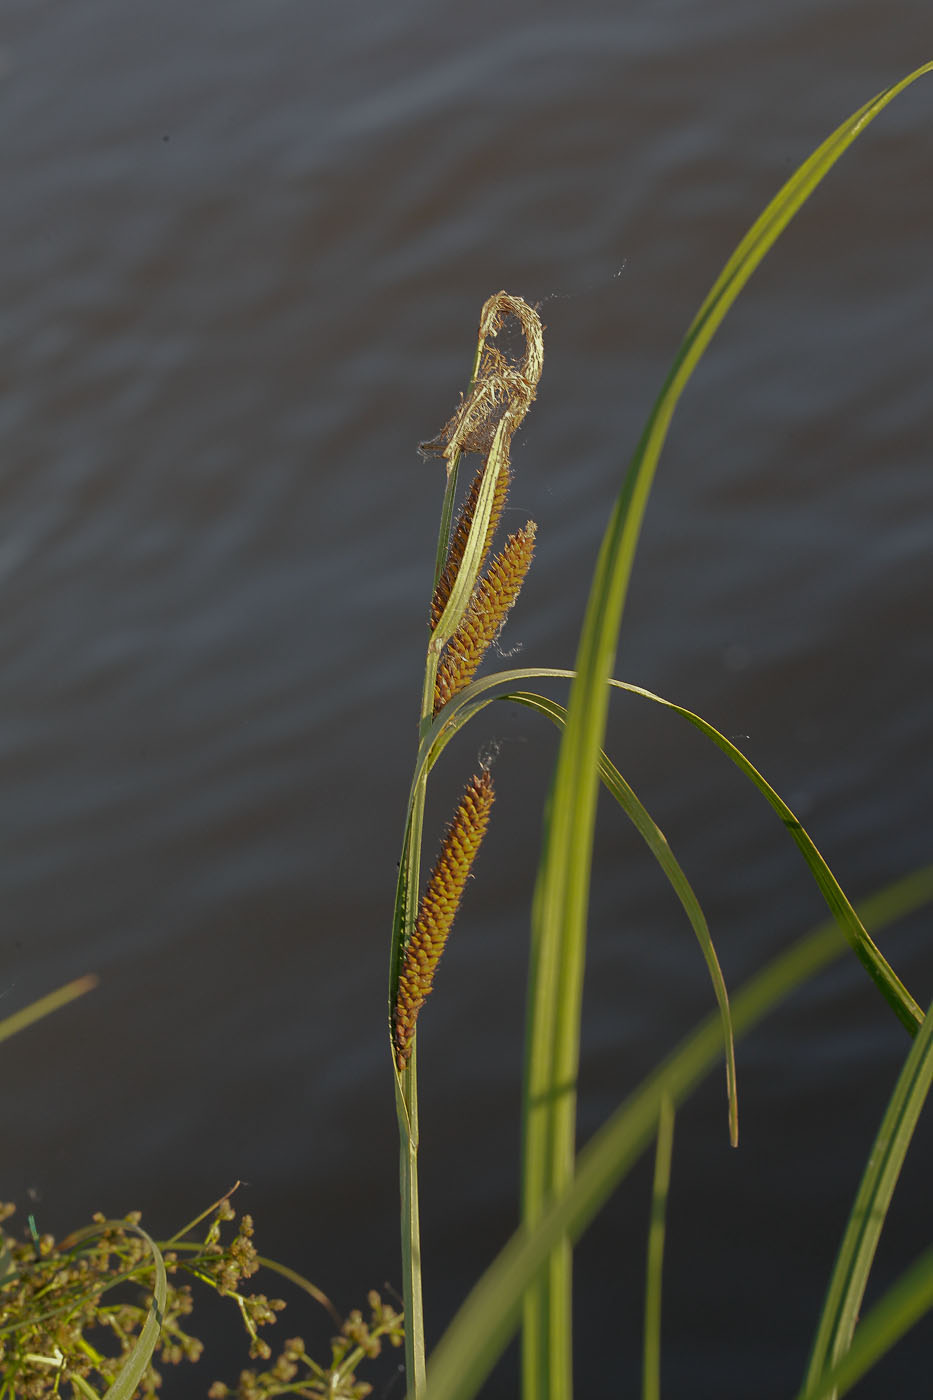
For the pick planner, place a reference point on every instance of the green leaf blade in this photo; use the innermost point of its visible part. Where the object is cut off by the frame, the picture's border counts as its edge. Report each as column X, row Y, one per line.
column 860, row 1241
column 561, row 897
column 490, row 1315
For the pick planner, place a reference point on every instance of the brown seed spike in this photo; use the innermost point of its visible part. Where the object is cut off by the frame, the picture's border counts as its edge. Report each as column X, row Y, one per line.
column 493, row 597
column 439, row 906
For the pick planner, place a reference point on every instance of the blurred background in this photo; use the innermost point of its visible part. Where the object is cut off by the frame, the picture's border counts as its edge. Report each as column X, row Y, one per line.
column 245, row 247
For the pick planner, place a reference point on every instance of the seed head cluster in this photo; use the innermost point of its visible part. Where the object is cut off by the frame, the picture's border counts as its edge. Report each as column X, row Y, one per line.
column 438, row 909
column 71, row 1312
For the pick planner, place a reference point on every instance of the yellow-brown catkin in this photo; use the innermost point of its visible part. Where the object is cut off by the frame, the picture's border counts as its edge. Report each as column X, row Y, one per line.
column 461, row 532
column 439, row 906
column 492, row 598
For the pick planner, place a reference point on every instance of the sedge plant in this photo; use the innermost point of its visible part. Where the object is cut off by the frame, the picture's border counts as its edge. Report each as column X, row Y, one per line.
column 71, row 1313
column 529, row 1284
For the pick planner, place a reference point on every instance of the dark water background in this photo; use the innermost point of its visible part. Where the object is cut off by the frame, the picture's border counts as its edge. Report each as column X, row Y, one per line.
column 244, row 250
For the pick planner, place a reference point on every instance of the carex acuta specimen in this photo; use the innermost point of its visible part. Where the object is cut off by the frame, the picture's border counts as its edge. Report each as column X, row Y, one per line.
column 474, row 589
column 473, row 594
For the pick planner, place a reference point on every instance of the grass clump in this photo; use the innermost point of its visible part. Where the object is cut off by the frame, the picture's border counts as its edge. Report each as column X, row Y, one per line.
column 531, row 1280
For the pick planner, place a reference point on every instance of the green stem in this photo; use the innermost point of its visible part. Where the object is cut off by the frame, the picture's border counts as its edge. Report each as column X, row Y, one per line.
column 407, row 1107
column 651, row 1363
column 406, row 1081
column 406, row 902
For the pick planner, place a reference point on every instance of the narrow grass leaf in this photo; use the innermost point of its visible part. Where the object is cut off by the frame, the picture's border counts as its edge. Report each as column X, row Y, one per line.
column 876, row 965
column 304, row 1284
column 481, row 693
column 82, row 1387
column 461, row 534
column 406, row 889
column 651, row 1365
column 475, row 696
column 476, row 542
column 902, row 1306
column 10, row 1025
column 489, row 1317
column 657, row 843
column 136, row 1363
column 124, row 1387
column 562, row 891
column 857, row 1251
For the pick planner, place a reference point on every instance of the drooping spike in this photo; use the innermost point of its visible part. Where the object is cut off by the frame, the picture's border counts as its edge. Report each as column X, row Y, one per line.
column 438, row 908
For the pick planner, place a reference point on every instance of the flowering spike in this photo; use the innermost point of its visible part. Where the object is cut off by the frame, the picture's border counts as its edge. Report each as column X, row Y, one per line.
column 492, row 598
column 439, row 906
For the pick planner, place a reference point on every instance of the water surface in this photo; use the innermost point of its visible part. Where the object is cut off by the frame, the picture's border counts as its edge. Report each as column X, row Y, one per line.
column 245, row 248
